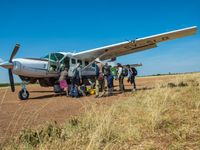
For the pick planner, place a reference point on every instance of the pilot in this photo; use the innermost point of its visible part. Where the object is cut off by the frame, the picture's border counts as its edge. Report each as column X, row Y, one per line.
column 100, row 83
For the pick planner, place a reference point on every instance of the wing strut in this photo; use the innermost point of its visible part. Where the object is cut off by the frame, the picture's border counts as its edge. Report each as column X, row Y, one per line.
column 95, row 59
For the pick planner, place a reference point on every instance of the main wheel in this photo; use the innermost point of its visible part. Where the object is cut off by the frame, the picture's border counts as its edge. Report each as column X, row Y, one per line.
column 23, row 94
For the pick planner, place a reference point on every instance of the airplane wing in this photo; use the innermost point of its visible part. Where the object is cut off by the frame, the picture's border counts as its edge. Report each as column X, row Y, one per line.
column 124, row 48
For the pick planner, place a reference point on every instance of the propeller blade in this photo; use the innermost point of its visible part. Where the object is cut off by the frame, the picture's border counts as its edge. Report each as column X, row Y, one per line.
column 15, row 50
column 12, row 84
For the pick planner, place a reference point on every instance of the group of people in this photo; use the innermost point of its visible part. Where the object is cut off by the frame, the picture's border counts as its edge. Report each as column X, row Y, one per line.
column 104, row 79
column 106, row 74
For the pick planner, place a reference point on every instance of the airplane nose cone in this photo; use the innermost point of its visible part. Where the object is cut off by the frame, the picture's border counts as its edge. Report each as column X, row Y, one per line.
column 6, row 65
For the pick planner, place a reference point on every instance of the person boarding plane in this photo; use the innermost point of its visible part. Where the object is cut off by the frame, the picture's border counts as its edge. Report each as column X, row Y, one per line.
column 46, row 70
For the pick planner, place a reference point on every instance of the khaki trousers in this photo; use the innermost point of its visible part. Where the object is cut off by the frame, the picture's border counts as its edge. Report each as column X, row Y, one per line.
column 100, row 85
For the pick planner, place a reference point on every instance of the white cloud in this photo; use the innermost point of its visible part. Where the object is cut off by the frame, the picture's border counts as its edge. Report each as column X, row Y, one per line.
column 1, row 60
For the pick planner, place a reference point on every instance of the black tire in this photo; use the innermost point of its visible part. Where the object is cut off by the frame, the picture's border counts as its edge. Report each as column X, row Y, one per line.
column 23, row 95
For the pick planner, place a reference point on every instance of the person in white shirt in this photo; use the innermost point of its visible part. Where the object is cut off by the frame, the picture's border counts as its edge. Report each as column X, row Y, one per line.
column 120, row 78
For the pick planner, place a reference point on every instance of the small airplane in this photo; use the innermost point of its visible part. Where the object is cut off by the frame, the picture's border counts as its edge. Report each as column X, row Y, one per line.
column 46, row 70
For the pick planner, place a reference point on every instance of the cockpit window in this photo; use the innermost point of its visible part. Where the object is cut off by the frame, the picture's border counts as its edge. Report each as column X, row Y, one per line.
column 54, row 56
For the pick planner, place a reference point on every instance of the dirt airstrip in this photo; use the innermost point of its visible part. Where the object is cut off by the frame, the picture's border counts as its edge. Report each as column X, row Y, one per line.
column 46, row 106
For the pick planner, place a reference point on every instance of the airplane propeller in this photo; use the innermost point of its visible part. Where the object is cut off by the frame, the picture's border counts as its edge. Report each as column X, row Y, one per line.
column 12, row 84
column 15, row 50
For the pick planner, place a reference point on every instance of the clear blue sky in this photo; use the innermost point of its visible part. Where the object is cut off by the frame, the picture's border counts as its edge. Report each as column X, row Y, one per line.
column 43, row 26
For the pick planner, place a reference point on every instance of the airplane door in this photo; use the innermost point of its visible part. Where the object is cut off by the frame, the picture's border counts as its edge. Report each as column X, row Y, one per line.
column 53, row 64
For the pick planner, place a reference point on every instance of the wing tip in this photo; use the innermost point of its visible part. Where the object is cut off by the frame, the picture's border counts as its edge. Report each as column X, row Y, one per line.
column 194, row 28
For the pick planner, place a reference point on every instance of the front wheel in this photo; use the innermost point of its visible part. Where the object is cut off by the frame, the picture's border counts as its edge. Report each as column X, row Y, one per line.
column 23, row 94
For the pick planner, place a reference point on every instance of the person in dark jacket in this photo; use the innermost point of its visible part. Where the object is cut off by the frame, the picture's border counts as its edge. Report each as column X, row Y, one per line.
column 108, row 78
column 132, row 74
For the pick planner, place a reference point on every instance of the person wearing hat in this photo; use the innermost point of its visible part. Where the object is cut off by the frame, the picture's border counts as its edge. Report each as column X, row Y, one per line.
column 100, row 83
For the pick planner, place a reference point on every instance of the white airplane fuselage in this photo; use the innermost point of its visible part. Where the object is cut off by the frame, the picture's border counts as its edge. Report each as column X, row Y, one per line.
column 40, row 68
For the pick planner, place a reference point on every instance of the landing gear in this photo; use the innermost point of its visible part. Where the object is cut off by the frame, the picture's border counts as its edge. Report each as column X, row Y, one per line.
column 23, row 94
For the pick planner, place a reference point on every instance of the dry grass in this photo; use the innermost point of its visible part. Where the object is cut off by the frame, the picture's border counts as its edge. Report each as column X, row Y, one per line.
column 166, row 117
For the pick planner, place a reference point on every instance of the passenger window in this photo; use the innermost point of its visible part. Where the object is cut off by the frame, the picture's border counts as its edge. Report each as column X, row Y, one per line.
column 73, row 61
column 80, row 61
column 86, row 63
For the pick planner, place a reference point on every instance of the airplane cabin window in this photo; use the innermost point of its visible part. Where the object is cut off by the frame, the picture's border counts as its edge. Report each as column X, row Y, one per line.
column 54, row 56
column 80, row 61
column 46, row 57
column 59, row 56
column 73, row 61
column 86, row 63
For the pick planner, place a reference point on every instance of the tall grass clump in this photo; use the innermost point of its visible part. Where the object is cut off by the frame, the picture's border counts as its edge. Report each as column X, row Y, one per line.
column 164, row 117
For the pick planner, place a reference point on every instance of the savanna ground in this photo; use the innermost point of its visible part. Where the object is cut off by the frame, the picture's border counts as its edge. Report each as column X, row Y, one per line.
column 162, row 114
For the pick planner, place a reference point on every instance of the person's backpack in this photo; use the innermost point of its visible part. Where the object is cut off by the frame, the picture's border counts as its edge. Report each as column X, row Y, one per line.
column 124, row 71
column 134, row 71
column 74, row 92
column 106, row 70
